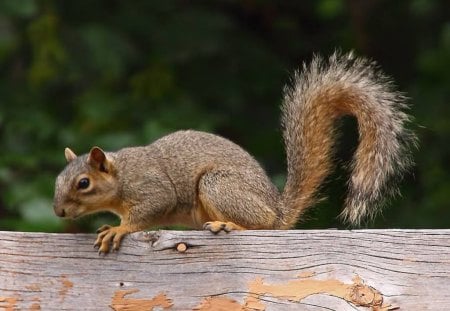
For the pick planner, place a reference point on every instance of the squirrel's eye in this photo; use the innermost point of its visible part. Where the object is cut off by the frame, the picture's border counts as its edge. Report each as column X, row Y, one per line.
column 83, row 183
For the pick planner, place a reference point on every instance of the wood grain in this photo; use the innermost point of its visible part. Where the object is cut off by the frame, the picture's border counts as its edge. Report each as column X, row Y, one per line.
column 249, row 270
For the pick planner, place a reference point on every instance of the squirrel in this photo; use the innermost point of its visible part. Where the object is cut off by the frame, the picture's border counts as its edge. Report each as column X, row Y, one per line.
column 202, row 180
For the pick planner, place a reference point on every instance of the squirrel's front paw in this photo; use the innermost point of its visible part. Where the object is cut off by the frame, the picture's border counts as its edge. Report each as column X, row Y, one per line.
column 217, row 226
column 106, row 234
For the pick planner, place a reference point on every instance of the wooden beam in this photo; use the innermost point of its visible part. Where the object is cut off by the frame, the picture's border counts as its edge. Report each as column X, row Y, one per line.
column 249, row 270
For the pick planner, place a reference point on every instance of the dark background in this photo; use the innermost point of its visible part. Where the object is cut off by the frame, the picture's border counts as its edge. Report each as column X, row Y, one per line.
column 120, row 73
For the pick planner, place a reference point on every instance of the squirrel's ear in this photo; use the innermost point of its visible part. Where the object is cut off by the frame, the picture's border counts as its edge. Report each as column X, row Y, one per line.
column 69, row 154
column 97, row 158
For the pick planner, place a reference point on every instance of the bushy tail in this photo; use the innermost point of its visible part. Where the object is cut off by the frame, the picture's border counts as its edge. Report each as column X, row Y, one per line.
column 320, row 94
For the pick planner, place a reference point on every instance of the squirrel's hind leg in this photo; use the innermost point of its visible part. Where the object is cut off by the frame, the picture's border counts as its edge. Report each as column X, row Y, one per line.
column 233, row 202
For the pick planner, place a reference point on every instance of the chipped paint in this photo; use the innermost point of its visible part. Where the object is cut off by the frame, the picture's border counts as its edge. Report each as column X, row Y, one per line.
column 219, row 304
column 66, row 285
column 120, row 303
column 356, row 293
column 295, row 290
column 253, row 302
column 36, row 306
column 8, row 303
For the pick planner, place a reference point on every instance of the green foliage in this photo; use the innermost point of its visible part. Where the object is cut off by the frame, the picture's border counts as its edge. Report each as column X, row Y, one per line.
column 115, row 74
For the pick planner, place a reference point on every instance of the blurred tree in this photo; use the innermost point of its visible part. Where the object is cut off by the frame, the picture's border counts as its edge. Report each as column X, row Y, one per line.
column 123, row 73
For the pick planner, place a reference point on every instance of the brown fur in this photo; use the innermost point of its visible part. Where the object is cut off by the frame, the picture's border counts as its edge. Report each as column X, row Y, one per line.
column 322, row 93
column 193, row 178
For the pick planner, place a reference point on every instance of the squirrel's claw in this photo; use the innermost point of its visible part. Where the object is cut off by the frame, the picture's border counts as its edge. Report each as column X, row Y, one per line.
column 107, row 235
column 103, row 228
column 217, row 226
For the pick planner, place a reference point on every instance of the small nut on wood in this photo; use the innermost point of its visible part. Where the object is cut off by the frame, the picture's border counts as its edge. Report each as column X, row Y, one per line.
column 181, row 247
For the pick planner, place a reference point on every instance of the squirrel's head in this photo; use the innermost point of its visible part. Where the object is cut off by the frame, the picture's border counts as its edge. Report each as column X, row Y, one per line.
column 88, row 184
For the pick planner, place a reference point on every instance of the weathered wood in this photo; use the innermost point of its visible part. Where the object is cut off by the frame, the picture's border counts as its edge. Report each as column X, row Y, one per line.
column 250, row 270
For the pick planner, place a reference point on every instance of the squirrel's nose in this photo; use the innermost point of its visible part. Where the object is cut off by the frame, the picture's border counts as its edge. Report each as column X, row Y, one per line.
column 60, row 212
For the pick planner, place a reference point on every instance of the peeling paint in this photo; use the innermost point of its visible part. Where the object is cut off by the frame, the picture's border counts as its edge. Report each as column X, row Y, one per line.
column 219, row 304
column 356, row 293
column 8, row 303
column 295, row 290
column 252, row 302
column 120, row 303
column 66, row 284
column 36, row 306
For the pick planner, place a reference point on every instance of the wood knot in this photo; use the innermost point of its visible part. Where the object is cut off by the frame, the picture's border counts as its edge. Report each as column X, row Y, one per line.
column 366, row 296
